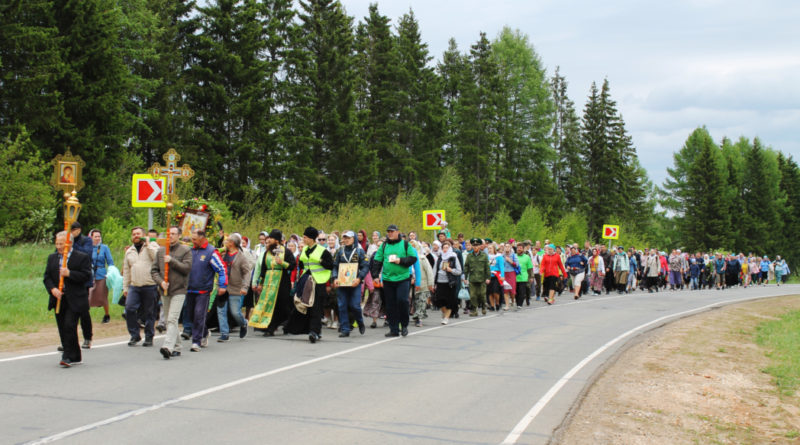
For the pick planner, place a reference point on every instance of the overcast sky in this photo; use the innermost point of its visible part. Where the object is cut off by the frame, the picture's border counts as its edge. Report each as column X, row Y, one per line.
column 733, row 66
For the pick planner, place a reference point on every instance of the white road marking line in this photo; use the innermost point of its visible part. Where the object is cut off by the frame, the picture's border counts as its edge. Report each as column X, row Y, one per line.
column 526, row 420
column 45, row 354
column 241, row 381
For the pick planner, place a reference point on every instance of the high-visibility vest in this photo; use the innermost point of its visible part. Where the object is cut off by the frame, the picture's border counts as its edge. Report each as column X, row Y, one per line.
column 312, row 264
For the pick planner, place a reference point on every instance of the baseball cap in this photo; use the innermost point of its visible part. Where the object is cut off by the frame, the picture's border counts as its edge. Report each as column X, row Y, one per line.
column 392, row 228
column 349, row 234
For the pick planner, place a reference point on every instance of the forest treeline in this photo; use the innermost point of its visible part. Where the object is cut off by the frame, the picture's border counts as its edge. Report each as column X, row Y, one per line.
column 277, row 103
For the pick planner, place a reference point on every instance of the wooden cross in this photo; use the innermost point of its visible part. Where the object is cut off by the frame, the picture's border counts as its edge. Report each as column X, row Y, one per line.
column 170, row 172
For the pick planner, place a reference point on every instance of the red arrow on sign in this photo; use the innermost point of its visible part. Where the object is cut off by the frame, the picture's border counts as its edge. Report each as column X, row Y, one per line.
column 433, row 219
column 149, row 191
column 610, row 232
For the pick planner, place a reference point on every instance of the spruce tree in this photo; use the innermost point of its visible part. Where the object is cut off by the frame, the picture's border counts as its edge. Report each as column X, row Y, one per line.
column 705, row 220
column 526, row 113
column 762, row 200
column 421, row 118
column 790, row 211
column 569, row 171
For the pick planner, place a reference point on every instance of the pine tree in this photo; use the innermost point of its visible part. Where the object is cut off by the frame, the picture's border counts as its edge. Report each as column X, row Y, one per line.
column 762, row 199
column 705, row 219
column 569, row 171
column 790, row 212
column 332, row 164
column 525, row 112
column 30, row 66
column 381, row 94
column 421, row 117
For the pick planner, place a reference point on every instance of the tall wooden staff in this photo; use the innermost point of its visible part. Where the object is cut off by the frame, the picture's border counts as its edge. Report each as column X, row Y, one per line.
column 170, row 171
column 68, row 177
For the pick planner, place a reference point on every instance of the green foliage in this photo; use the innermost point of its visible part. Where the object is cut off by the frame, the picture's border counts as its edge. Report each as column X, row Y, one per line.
column 531, row 225
column 27, row 208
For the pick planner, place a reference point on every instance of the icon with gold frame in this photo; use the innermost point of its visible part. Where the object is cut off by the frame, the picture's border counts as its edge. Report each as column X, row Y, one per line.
column 67, row 172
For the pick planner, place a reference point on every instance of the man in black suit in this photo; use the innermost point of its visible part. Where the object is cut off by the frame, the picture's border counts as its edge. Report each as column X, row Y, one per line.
column 74, row 297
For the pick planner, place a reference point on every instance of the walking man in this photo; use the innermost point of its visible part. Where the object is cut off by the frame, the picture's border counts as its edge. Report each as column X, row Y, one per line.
column 476, row 270
column 206, row 263
column 397, row 257
column 138, row 287
column 348, row 292
column 174, row 292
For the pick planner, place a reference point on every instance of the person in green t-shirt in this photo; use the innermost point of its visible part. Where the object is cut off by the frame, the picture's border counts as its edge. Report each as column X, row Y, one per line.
column 524, row 277
column 396, row 256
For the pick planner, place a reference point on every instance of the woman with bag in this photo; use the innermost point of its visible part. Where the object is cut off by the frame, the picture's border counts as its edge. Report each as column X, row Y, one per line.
column 596, row 272
column 101, row 260
column 447, row 273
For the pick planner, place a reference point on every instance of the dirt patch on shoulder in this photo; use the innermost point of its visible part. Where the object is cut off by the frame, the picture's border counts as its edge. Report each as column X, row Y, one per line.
column 48, row 336
column 697, row 380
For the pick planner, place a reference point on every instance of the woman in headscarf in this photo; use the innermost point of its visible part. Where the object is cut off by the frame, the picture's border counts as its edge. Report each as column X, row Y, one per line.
column 447, row 272
column 374, row 307
column 497, row 270
column 274, row 285
column 597, row 272
column 362, row 239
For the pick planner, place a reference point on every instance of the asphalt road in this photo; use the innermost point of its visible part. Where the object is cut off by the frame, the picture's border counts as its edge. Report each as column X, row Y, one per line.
column 508, row 378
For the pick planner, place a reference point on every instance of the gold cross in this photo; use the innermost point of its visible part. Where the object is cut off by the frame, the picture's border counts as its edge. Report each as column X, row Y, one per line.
column 170, row 171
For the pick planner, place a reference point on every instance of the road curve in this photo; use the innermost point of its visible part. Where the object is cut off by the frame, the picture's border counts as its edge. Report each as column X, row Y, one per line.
column 507, row 378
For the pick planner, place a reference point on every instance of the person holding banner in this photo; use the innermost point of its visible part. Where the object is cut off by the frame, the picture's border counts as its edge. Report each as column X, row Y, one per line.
column 273, row 285
column 74, row 295
column 173, row 287
column 350, row 267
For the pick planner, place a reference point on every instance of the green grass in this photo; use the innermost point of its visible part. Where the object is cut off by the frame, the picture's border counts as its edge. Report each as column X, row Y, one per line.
column 22, row 293
column 782, row 340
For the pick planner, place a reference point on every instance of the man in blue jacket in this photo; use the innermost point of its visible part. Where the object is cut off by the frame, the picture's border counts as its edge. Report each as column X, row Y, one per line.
column 206, row 262
column 349, row 296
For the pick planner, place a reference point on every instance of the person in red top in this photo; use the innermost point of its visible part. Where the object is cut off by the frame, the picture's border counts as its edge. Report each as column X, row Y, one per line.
column 551, row 268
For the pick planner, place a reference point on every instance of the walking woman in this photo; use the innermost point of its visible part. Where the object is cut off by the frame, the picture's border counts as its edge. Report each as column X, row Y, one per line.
column 101, row 260
column 597, row 272
column 497, row 269
column 447, row 272
column 512, row 266
column 652, row 270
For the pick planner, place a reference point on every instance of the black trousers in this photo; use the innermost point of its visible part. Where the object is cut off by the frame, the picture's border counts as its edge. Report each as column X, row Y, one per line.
column 86, row 324
column 395, row 294
column 523, row 293
column 67, row 322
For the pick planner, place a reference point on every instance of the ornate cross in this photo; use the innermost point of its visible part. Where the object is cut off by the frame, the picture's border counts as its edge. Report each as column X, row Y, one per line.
column 170, row 172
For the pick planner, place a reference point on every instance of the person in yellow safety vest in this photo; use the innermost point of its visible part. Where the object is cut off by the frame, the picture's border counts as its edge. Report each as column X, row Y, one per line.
column 315, row 260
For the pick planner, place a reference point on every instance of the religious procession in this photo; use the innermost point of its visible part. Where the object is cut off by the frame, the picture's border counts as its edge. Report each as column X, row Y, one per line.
column 192, row 280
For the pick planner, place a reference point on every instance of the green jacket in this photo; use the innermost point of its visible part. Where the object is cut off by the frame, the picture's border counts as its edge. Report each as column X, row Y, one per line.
column 396, row 272
column 476, row 267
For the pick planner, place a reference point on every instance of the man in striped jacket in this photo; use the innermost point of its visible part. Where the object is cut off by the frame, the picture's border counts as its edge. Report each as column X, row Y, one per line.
column 206, row 262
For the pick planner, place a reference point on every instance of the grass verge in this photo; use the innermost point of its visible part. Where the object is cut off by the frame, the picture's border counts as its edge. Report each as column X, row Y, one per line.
column 781, row 338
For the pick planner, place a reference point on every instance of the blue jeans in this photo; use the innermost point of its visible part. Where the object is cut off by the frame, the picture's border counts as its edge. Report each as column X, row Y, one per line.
column 695, row 283
column 144, row 298
column 349, row 299
column 235, row 304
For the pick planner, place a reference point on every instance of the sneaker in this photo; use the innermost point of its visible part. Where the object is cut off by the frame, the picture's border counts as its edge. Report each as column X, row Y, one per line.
column 195, row 347
column 148, row 342
column 166, row 353
column 313, row 337
column 391, row 334
column 185, row 335
column 176, row 353
column 106, row 318
column 417, row 323
column 87, row 344
column 473, row 314
column 204, row 342
column 335, row 325
column 344, row 334
column 324, row 320
column 222, row 338
column 328, row 323
column 133, row 341
column 483, row 311
column 161, row 328
column 444, row 321
column 243, row 331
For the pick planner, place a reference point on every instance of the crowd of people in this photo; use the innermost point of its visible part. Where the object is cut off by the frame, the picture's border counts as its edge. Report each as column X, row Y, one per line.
column 302, row 284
